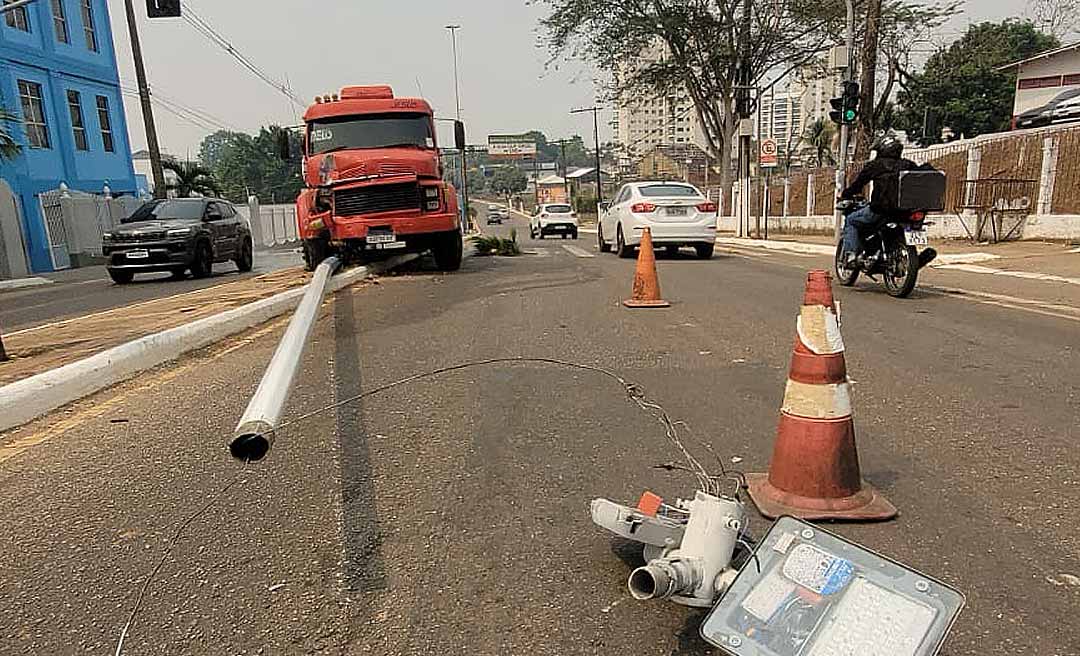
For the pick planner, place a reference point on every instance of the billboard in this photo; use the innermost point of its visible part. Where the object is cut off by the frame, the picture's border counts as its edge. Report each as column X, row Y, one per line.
column 511, row 146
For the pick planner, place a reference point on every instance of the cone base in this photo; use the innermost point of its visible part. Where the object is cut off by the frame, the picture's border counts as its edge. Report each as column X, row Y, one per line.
column 867, row 505
column 646, row 304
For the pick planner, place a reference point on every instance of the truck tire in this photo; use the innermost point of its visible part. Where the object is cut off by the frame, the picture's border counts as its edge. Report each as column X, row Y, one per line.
column 315, row 251
column 448, row 251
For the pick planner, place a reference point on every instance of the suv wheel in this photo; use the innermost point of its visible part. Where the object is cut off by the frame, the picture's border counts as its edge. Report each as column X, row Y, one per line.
column 121, row 277
column 203, row 264
column 245, row 258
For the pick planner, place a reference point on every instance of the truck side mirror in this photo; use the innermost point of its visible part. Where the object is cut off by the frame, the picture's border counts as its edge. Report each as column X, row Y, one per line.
column 284, row 145
column 459, row 135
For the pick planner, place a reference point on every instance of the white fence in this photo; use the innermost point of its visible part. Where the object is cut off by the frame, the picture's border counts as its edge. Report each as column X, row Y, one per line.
column 271, row 225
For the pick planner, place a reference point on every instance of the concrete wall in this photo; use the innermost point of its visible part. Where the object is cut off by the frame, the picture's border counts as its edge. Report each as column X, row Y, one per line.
column 87, row 217
column 13, row 262
column 275, row 224
column 945, row 226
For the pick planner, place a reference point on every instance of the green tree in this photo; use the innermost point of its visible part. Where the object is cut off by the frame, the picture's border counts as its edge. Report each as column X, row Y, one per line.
column 819, row 135
column 9, row 147
column 961, row 85
column 247, row 164
column 508, row 181
column 191, row 177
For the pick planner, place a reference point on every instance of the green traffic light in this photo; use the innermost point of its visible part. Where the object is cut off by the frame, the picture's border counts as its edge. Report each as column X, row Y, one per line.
column 849, row 115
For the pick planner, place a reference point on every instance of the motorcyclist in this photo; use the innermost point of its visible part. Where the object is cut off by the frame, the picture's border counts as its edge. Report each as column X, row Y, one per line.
column 884, row 171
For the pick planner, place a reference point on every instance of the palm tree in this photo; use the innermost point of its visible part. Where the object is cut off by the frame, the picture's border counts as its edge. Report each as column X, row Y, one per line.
column 9, row 148
column 819, row 135
column 191, row 177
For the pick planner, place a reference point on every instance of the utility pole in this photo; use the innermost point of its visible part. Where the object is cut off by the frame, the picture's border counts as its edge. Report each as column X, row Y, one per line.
column 457, row 107
column 744, row 108
column 147, row 110
column 596, row 138
column 845, row 129
column 565, row 181
column 867, row 71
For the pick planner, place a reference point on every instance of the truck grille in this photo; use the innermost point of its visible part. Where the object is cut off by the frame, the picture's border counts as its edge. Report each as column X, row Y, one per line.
column 380, row 198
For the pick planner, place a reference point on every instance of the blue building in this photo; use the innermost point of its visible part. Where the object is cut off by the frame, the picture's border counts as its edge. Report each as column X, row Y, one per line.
column 58, row 76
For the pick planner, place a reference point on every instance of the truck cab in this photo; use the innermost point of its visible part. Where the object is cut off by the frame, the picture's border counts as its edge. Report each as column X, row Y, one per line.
column 374, row 180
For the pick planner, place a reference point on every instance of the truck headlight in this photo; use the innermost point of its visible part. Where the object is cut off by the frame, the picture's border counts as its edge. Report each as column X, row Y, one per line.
column 324, row 197
column 178, row 232
column 431, row 198
column 431, row 192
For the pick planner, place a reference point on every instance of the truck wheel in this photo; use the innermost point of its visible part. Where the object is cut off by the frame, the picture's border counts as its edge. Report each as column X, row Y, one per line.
column 448, row 251
column 315, row 251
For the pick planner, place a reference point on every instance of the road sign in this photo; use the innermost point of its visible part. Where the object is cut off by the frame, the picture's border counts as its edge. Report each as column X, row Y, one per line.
column 511, row 146
column 769, row 158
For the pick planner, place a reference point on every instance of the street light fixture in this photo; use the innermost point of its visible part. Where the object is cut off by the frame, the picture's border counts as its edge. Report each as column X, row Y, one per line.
column 457, row 113
column 596, row 137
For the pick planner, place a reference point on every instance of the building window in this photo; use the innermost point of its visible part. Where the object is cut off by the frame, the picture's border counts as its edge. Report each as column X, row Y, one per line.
column 17, row 18
column 88, row 25
column 78, row 128
column 1071, row 79
column 106, row 124
column 60, row 22
column 1040, row 82
column 33, row 109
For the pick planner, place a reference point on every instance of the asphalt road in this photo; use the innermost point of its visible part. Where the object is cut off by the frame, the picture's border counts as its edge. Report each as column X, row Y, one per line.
column 79, row 292
column 450, row 515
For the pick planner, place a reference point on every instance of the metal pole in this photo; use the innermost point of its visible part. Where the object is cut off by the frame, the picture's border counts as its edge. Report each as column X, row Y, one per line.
column 254, row 433
column 147, row 110
column 15, row 5
column 457, row 108
column 566, row 183
column 845, row 129
column 599, row 173
column 744, row 115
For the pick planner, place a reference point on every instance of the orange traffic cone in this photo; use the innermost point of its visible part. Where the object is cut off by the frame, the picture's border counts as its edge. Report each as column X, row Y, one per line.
column 646, row 284
column 814, row 473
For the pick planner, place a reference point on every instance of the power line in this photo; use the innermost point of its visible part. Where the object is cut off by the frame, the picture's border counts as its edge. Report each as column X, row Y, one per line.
column 175, row 111
column 202, row 115
column 203, row 26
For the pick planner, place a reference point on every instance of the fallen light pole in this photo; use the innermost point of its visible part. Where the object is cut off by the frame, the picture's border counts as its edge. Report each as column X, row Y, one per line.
column 254, row 434
column 688, row 547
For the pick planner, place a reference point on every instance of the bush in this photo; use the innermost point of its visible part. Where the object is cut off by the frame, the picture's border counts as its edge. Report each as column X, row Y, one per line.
column 491, row 245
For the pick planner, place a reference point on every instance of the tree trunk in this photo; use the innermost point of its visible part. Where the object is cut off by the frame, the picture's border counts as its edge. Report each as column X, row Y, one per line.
column 864, row 138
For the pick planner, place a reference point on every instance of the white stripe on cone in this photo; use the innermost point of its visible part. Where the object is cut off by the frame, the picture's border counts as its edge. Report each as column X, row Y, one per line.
column 830, row 401
column 819, row 330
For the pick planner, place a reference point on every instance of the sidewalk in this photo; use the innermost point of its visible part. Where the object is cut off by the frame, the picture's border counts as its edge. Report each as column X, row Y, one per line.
column 1033, row 260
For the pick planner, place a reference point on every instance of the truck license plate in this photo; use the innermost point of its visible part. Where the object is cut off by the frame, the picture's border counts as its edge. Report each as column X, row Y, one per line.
column 141, row 254
column 381, row 238
column 389, row 245
column 916, row 237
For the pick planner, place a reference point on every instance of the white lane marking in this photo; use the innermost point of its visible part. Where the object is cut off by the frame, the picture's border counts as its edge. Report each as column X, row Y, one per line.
column 1058, row 311
column 1028, row 275
column 588, row 231
column 539, row 252
column 574, row 250
column 774, row 245
column 964, row 258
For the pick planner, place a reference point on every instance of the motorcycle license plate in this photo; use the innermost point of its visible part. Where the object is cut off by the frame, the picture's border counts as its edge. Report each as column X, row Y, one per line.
column 381, row 238
column 916, row 236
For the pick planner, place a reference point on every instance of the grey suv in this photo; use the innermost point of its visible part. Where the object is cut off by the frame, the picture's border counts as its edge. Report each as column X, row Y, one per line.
column 175, row 235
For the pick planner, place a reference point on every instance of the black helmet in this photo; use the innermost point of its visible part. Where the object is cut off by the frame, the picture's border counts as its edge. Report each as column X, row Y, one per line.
column 889, row 146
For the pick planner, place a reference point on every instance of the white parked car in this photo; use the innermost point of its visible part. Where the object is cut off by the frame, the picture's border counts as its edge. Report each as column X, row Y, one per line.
column 553, row 219
column 676, row 213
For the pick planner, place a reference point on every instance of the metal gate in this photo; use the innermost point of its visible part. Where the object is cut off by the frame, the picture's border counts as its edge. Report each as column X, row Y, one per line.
column 55, row 231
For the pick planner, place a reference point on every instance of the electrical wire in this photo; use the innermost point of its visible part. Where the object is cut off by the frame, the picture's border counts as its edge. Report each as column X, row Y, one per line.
column 168, row 549
column 634, row 393
column 203, row 26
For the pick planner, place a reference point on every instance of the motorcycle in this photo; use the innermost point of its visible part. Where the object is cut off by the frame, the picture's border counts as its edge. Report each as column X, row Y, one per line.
column 890, row 251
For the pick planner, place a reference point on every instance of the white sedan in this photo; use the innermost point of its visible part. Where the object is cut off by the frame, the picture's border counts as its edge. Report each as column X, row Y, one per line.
column 553, row 219
column 676, row 213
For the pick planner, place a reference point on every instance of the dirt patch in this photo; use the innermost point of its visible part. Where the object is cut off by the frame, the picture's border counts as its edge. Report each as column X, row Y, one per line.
column 54, row 345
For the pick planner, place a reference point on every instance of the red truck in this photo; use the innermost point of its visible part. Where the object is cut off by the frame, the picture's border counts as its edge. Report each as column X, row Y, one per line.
column 374, row 180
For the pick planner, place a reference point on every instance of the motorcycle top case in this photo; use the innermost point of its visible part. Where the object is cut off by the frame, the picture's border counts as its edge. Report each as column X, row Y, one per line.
column 922, row 189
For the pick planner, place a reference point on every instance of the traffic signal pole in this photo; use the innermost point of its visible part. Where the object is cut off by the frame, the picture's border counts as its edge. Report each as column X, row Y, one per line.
column 845, row 127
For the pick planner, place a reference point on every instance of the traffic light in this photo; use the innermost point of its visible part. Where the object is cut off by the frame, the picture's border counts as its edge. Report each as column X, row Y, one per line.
column 163, row 8
column 846, row 107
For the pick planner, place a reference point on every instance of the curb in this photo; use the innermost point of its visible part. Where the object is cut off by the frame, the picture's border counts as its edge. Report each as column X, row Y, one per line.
column 32, row 397
column 20, row 283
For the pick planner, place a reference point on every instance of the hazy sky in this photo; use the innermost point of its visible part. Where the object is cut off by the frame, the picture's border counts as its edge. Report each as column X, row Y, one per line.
column 321, row 45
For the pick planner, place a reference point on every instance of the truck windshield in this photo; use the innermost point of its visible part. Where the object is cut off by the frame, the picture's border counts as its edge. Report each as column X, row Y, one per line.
column 373, row 131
